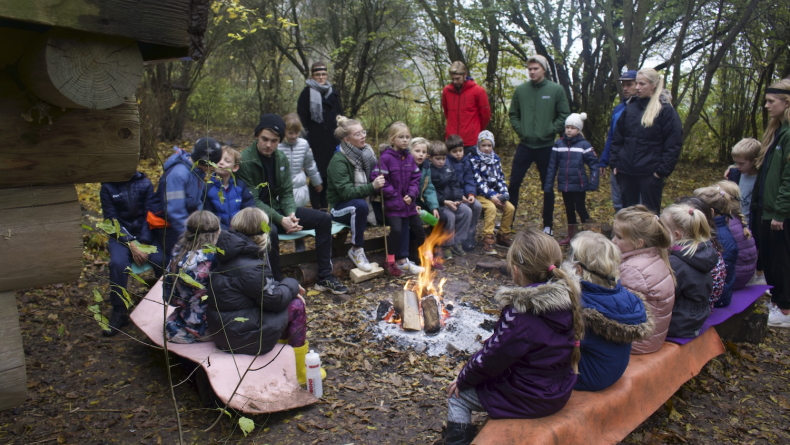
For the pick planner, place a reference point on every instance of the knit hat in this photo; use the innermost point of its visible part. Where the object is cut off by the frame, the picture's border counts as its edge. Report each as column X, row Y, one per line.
column 206, row 149
column 271, row 122
column 576, row 120
column 537, row 58
column 486, row 135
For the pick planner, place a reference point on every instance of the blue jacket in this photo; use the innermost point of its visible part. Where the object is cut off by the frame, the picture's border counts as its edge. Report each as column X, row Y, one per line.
column 236, row 197
column 730, row 255
column 128, row 203
column 568, row 158
column 445, row 181
column 466, row 175
column 613, row 318
column 618, row 110
column 180, row 192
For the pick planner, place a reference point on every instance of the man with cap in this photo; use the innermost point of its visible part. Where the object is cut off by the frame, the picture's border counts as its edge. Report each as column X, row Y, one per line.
column 465, row 106
column 267, row 172
column 181, row 190
column 537, row 113
column 628, row 81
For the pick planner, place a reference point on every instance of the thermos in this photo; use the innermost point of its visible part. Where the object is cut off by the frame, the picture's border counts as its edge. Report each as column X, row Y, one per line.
column 313, row 363
column 428, row 217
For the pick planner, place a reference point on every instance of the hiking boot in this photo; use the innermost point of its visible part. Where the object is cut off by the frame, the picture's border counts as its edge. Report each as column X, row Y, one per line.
column 503, row 239
column 459, row 433
column 488, row 245
column 447, row 252
column 572, row 230
column 547, row 230
column 118, row 320
column 359, row 259
column 778, row 319
column 392, row 269
column 331, row 284
column 409, row 267
column 458, row 250
column 470, row 243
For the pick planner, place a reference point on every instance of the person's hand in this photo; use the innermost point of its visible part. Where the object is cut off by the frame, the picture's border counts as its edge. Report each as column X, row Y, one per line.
column 496, row 201
column 436, row 213
column 777, row 225
column 614, row 172
column 302, row 292
column 407, row 200
column 319, row 188
column 451, row 205
column 291, row 223
column 727, row 172
column 452, row 389
column 656, row 175
column 469, row 199
column 301, row 295
column 138, row 255
column 378, row 183
column 602, row 171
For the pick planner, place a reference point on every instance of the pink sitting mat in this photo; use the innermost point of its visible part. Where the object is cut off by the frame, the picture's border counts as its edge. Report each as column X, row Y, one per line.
column 270, row 384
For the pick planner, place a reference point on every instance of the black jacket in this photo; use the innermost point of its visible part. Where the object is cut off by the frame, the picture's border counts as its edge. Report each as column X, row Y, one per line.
column 321, row 136
column 641, row 151
column 128, row 203
column 251, row 307
column 445, row 181
column 693, row 289
column 568, row 158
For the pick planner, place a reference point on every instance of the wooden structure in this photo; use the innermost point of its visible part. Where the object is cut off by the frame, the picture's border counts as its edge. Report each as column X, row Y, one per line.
column 68, row 74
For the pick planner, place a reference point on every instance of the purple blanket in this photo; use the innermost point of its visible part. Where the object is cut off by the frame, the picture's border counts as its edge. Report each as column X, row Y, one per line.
column 741, row 299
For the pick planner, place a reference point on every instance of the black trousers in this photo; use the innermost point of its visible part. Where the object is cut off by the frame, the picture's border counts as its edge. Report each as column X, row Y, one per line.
column 309, row 219
column 774, row 254
column 318, row 200
column 574, row 203
column 403, row 233
column 523, row 159
column 647, row 187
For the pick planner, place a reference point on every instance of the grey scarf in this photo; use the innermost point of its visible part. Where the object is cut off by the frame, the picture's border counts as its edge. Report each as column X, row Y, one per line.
column 362, row 158
column 316, row 91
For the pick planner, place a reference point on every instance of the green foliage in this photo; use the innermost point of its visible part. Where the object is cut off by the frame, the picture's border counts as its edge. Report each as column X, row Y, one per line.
column 189, row 280
column 210, row 248
column 131, row 273
column 240, row 319
column 246, row 425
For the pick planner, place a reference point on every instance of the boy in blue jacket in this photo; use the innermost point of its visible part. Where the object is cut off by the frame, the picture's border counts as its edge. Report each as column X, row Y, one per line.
column 466, row 180
column 227, row 195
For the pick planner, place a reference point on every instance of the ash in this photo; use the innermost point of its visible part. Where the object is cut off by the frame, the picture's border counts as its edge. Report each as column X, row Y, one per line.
column 464, row 331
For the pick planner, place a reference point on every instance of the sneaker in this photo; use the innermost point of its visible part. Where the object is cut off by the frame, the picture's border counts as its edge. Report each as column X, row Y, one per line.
column 458, row 250
column 447, row 252
column 118, row 320
column 470, row 246
column 779, row 320
column 410, row 267
column 359, row 259
column 757, row 280
column 331, row 284
column 392, row 269
column 488, row 245
column 547, row 230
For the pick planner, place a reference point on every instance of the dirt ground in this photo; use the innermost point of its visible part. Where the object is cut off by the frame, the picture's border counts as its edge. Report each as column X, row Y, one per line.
column 87, row 389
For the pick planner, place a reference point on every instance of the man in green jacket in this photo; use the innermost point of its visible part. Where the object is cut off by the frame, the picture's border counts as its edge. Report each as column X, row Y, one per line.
column 537, row 113
column 266, row 170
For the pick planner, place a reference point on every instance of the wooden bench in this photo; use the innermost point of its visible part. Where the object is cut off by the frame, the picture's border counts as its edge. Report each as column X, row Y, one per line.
column 339, row 233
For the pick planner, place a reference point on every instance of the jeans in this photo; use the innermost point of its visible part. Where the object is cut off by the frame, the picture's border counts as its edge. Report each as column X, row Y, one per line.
column 646, row 188
column 617, row 200
column 456, row 223
column 120, row 259
column 309, row 219
column 355, row 214
column 523, row 159
column 459, row 409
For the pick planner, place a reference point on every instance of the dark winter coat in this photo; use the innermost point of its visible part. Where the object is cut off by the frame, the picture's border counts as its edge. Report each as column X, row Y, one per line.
column 340, row 183
column 465, row 173
column 613, row 318
column 321, row 137
column 693, row 289
column 568, row 157
column 234, row 198
column 618, row 110
column 524, row 369
column 427, row 199
column 730, row 254
column 128, row 203
column 773, row 185
column 538, row 111
column 402, row 177
column 180, row 191
column 641, row 151
column 251, row 307
column 445, row 181
column 253, row 173
column 746, row 263
column 467, row 111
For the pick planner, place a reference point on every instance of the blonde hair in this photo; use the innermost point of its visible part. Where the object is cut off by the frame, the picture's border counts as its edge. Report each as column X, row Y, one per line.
column 732, row 189
column 747, row 148
column 719, row 200
column 292, row 123
column 691, row 222
column 774, row 124
column 419, row 141
column 458, row 67
column 537, row 258
column 598, row 257
column 638, row 223
column 396, row 129
column 343, row 125
column 248, row 222
column 235, row 154
column 202, row 229
column 654, row 106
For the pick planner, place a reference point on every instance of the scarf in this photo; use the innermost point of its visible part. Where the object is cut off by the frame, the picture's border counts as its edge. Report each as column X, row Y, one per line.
column 363, row 160
column 487, row 158
column 316, row 91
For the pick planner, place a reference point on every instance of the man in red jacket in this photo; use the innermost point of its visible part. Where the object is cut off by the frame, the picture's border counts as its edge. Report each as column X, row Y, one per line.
column 465, row 106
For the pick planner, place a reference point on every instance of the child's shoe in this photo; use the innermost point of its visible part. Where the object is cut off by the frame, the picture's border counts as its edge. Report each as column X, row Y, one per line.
column 547, row 230
column 458, row 250
column 488, row 245
column 409, row 267
column 359, row 259
column 778, row 319
column 572, row 230
column 392, row 269
column 503, row 239
column 118, row 320
column 447, row 252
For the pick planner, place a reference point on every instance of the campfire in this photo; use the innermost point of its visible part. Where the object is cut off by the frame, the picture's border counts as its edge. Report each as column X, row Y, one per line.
column 420, row 306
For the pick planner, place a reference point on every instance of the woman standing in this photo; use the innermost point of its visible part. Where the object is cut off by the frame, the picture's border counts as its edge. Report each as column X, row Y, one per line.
column 647, row 142
column 318, row 108
column 773, row 202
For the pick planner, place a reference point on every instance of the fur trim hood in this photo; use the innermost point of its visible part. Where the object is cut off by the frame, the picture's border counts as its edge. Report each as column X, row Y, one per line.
column 623, row 316
column 549, row 297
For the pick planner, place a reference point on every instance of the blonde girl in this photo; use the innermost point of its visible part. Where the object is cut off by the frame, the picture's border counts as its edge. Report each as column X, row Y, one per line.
column 528, row 367
column 721, row 205
column 644, row 242
column 692, row 257
column 746, row 264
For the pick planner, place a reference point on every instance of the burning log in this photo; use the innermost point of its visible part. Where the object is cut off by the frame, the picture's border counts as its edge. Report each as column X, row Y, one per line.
column 385, row 310
column 412, row 321
column 431, row 315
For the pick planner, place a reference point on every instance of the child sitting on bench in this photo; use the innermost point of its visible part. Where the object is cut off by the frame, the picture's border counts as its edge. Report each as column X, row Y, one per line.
column 227, row 195
column 746, row 264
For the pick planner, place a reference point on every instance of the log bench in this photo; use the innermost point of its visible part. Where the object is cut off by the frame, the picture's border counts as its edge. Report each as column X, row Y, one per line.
column 339, row 249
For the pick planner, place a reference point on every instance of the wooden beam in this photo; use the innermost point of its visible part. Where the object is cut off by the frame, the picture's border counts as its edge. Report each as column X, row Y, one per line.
column 45, row 145
column 40, row 236
column 13, row 379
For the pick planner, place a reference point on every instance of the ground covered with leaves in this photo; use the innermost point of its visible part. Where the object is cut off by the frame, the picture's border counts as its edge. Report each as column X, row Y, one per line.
column 87, row 389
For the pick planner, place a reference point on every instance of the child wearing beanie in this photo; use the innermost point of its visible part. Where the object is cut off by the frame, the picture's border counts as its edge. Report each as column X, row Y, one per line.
column 568, row 157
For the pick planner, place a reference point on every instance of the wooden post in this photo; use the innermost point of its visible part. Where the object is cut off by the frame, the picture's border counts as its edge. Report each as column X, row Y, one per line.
column 411, row 319
column 13, row 378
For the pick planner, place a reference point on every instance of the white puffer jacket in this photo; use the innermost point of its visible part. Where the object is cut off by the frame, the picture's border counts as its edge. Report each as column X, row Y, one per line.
column 300, row 157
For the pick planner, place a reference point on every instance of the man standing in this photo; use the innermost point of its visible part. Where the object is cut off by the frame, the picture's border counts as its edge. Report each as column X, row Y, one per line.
column 628, row 81
column 465, row 106
column 268, row 173
column 537, row 113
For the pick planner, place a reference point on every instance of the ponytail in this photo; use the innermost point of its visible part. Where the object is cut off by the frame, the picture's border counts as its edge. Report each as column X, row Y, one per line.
column 566, row 275
column 691, row 222
column 654, row 106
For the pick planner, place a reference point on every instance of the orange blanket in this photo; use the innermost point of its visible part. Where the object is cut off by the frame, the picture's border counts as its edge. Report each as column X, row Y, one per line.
column 608, row 416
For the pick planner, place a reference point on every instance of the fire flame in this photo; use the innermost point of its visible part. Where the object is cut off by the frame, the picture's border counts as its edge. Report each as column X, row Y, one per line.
column 425, row 281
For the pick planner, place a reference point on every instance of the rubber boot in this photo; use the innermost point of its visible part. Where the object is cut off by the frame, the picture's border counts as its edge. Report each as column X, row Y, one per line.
column 459, row 433
column 572, row 230
column 301, row 369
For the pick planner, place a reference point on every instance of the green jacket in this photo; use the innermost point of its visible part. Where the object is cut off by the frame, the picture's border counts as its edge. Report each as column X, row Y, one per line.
column 340, row 182
column 776, row 195
column 427, row 196
column 253, row 174
column 538, row 113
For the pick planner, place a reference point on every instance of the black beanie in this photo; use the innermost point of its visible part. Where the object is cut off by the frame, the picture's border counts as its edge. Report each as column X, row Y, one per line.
column 271, row 122
column 206, row 149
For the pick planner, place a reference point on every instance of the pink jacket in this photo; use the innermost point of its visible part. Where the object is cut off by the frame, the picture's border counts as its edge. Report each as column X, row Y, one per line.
column 644, row 271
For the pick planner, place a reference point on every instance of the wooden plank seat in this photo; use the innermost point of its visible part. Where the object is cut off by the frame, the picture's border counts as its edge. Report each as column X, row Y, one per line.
column 336, row 228
column 270, row 385
column 339, row 248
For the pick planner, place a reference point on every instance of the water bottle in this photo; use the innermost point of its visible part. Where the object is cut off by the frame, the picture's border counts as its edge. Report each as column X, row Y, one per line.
column 313, row 363
column 428, row 218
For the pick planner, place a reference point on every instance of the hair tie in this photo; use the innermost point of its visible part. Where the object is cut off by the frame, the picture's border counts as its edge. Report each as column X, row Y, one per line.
column 722, row 192
column 658, row 218
column 577, row 344
column 597, row 274
column 520, row 258
column 552, row 267
column 691, row 212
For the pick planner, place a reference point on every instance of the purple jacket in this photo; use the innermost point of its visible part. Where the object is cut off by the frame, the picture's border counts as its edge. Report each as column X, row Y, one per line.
column 402, row 178
column 524, row 369
column 746, row 263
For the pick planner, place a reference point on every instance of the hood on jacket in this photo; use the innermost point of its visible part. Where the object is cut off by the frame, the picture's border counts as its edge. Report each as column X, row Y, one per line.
column 234, row 244
column 704, row 258
column 181, row 156
column 618, row 315
column 469, row 83
column 549, row 301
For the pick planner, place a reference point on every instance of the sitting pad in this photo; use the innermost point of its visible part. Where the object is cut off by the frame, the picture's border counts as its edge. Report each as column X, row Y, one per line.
column 270, row 385
column 137, row 269
column 608, row 416
column 741, row 299
column 336, row 228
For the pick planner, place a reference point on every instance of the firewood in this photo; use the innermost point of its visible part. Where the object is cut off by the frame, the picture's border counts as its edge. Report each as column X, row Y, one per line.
column 432, row 319
column 500, row 266
column 384, row 309
column 411, row 320
column 357, row 275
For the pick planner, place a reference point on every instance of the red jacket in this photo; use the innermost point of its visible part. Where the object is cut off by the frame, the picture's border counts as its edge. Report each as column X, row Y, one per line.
column 467, row 111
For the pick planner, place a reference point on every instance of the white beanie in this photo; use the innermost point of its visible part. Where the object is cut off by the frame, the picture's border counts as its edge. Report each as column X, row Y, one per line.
column 576, row 120
column 486, row 135
column 537, row 58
